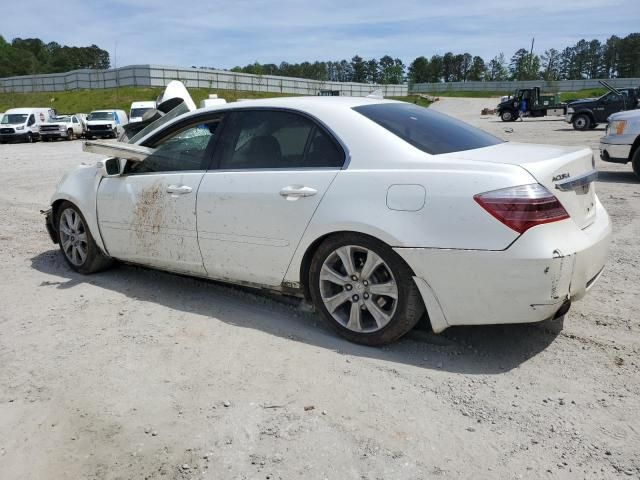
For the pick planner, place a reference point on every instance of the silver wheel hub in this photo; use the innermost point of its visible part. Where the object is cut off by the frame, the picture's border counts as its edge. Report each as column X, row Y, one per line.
column 73, row 236
column 358, row 289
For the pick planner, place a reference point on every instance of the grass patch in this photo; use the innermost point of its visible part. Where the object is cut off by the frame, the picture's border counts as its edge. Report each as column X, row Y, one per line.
column 84, row 101
column 588, row 93
column 564, row 96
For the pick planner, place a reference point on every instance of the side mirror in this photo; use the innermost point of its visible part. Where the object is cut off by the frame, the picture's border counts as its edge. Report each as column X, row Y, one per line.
column 109, row 167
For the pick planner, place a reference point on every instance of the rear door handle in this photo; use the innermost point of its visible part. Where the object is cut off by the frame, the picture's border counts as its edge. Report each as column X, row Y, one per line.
column 179, row 189
column 294, row 192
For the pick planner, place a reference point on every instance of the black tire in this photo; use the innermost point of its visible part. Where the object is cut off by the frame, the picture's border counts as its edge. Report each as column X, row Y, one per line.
column 635, row 162
column 508, row 116
column 94, row 260
column 29, row 138
column 70, row 135
column 408, row 306
column 581, row 122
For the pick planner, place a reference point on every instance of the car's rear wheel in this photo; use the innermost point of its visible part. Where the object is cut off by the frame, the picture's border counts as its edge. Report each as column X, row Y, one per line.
column 364, row 290
column 76, row 243
column 581, row 122
column 635, row 162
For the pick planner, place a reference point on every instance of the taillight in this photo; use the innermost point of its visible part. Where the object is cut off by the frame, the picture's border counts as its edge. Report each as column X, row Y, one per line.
column 522, row 207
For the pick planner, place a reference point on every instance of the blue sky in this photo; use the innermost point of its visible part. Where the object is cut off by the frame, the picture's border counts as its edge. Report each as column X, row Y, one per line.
column 228, row 33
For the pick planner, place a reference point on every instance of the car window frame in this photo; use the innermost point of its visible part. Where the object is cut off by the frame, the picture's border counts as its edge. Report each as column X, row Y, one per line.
column 176, row 128
column 316, row 124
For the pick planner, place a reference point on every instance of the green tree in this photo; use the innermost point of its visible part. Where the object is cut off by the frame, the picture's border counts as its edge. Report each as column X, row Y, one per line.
column 419, row 70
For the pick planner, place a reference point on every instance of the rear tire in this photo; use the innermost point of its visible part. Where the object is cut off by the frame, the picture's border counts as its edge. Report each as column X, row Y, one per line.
column 581, row 122
column 635, row 162
column 364, row 290
column 76, row 242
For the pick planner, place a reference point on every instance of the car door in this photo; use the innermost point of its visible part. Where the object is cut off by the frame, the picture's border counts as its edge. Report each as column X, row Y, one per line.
column 77, row 129
column 271, row 169
column 148, row 214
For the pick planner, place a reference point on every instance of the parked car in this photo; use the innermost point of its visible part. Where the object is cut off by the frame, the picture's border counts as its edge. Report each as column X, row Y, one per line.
column 106, row 123
column 621, row 143
column 376, row 210
column 589, row 112
column 138, row 109
column 63, row 126
column 23, row 124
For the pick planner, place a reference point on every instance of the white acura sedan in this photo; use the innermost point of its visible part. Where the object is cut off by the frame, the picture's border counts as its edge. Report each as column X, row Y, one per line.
column 377, row 211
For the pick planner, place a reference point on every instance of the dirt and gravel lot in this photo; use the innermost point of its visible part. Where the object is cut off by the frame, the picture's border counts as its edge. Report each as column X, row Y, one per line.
column 138, row 374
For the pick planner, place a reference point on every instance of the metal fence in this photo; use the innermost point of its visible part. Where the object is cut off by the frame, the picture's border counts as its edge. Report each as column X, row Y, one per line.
column 160, row 76
column 510, row 86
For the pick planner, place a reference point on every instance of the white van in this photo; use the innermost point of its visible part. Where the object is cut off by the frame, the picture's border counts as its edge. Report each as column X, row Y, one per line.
column 138, row 109
column 23, row 124
column 106, row 123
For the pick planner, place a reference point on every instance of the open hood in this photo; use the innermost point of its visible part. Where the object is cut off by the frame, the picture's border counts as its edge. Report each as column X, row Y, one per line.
column 174, row 101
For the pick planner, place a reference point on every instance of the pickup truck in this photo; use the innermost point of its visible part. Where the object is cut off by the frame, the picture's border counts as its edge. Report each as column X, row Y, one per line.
column 621, row 143
column 589, row 112
column 63, row 126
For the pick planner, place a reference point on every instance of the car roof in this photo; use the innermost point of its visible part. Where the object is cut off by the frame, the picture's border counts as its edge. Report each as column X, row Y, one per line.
column 309, row 103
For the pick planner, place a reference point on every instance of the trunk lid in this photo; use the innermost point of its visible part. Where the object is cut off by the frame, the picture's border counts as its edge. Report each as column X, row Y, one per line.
column 567, row 172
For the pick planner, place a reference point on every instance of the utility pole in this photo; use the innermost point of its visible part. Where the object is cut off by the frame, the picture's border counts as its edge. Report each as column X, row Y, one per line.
column 531, row 54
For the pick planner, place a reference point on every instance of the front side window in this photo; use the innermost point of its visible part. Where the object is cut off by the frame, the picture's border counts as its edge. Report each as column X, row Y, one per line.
column 258, row 139
column 428, row 130
column 32, row 120
column 186, row 149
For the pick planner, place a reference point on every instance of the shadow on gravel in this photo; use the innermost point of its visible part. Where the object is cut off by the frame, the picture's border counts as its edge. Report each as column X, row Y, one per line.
column 618, row 177
column 490, row 349
column 571, row 129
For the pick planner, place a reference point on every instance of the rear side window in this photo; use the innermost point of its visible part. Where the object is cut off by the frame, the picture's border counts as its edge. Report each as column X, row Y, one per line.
column 430, row 131
column 258, row 139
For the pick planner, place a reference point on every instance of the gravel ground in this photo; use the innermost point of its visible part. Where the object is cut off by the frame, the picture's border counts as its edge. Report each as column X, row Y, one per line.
column 133, row 373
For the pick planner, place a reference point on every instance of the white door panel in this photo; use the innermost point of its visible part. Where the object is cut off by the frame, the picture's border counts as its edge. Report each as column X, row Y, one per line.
column 250, row 222
column 150, row 219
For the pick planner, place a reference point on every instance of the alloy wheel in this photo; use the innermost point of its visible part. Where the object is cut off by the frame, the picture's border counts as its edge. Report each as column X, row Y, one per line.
column 73, row 237
column 358, row 289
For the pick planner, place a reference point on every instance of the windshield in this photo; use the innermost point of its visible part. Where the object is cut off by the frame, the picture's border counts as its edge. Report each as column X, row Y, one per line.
column 430, row 131
column 61, row 118
column 139, row 112
column 14, row 118
column 100, row 116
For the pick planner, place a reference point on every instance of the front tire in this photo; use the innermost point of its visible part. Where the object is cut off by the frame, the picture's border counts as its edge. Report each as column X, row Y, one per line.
column 581, row 122
column 70, row 135
column 508, row 116
column 76, row 242
column 635, row 162
column 364, row 290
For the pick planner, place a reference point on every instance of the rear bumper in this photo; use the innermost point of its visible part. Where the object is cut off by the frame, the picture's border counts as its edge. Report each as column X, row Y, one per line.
column 528, row 282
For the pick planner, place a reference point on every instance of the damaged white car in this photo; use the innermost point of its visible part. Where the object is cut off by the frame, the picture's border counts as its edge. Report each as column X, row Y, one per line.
column 377, row 211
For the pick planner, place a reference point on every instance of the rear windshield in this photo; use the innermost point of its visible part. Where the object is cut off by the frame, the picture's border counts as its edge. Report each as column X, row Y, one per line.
column 426, row 129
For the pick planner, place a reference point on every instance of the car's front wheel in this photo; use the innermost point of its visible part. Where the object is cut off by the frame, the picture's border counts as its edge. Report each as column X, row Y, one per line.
column 76, row 243
column 508, row 116
column 364, row 290
column 635, row 162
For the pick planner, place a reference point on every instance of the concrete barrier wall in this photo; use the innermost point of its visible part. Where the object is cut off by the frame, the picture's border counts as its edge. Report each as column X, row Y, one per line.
column 509, row 86
column 160, row 76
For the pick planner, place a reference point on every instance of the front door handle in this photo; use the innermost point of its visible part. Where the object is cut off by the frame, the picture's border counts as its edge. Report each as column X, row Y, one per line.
column 179, row 189
column 294, row 192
